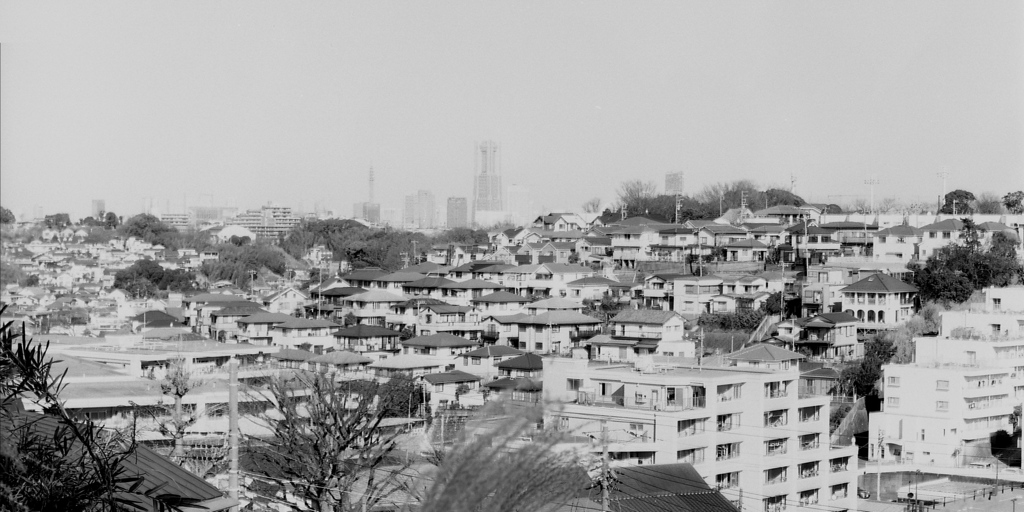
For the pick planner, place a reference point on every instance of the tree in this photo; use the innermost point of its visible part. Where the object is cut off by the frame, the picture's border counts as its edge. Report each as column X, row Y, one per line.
column 150, row 229
column 6, row 217
column 636, row 195
column 56, row 462
column 592, row 205
column 178, row 382
column 327, row 440
column 773, row 304
column 111, row 220
column 958, row 202
column 57, row 221
column 495, row 470
column 1014, row 202
column 862, row 376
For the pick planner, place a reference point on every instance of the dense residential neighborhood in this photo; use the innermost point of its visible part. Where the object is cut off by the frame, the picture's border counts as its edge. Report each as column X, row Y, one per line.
column 745, row 347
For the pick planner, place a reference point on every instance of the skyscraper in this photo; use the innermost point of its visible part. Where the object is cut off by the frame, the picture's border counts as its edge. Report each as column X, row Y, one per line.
column 488, row 194
column 674, row 183
column 424, row 209
column 99, row 207
column 458, row 212
column 409, row 213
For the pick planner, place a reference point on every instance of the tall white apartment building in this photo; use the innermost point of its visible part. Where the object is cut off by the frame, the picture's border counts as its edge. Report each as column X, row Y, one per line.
column 942, row 408
column 746, row 430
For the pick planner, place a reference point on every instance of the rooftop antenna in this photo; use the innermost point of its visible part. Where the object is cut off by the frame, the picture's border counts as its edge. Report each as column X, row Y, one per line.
column 871, row 182
column 371, row 183
column 943, row 175
column 792, row 183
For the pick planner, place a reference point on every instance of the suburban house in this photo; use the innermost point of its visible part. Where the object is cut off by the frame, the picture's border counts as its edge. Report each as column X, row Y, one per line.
column 830, row 336
column 369, row 340
column 549, row 332
column 880, row 298
column 257, row 329
column 443, row 347
column 297, row 332
column 483, row 361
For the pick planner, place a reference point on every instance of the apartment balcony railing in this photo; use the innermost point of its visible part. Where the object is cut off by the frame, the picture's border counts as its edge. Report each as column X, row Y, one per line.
column 583, row 335
column 780, row 393
column 771, row 452
column 810, row 446
column 490, row 336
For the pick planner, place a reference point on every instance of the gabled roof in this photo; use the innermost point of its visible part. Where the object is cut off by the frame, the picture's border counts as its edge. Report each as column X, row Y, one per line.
column 834, row 318
column 305, row 323
column 880, row 283
column 376, row 296
column 644, row 316
column 597, row 281
column 746, row 244
column 450, row 377
column 400, row 277
column 407, row 362
column 342, row 291
column 152, row 315
column 215, row 297
column 944, row 225
column 556, row 303
column 516, row 383
column 438, row 340
column 341, row 357
column 493, row 351
column 651, row 488
column 548, row 318
column 764, row 352
column 366, row 274
column 428, row 282
column 902, row 230
column 427, row 268
column 781, row 209
column 366, row 331
column 528, row 361
column 244, row 310
column 501, row 296
column 723, row 229
column 443, row 309
column 471, row 284
column 846, row 224
column 266, row 318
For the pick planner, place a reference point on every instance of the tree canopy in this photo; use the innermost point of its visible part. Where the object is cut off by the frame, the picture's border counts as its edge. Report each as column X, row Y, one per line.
column 954, row 272
column 958, row 202
column 150, row 229
column 1014, row 201
column 6, row 216
column 146, row 277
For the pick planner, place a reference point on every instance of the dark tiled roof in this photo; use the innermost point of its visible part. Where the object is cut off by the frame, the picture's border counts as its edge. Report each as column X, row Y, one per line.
column 644, row 316
column 365, row 331
column 879, row 283
column 439, row 340
column 501, row 296
column 528, row 361
column 448, row 377
column 764, row 352
column 493, row 351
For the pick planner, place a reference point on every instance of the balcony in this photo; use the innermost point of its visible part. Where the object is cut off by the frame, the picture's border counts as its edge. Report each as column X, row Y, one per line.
column 490, row 336
column 812, row 445
column 778, row 393
column 577, row 336
column 666, row 405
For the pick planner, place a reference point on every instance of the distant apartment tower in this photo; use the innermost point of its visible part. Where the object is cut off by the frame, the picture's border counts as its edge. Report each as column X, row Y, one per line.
column 488, row 194
column 409, row 213
column 99, row 208
column 176, row 220
column 367, row 211
column 269, row 222
column 211, row 214
column 674, row 184
column 458, row 212
column 425, row 209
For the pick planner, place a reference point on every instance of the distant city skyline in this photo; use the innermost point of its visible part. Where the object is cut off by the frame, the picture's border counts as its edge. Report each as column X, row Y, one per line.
column 228, row 104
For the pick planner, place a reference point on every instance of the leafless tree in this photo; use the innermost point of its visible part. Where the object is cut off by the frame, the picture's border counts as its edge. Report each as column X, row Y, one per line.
column 636, row 195
column 329, row 448
column 592, row 205
column 989, row 203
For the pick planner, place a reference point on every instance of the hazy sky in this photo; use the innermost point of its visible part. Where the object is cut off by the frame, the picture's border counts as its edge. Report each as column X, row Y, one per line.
column 292, row 102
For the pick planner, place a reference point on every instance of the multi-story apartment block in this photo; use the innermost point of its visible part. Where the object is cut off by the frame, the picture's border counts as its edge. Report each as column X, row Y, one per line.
column 942, row 408
column 741, row 428
column 268, row 222
column 898, row 243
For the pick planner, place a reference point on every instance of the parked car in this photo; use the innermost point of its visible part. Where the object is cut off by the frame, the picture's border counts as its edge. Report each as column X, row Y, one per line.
column 862, row 494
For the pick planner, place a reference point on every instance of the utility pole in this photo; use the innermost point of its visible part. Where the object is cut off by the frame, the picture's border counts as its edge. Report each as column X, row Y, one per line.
column 943, row 175
column 871, row 182
column 605, row 480
column 878, row 466
column 233, row 431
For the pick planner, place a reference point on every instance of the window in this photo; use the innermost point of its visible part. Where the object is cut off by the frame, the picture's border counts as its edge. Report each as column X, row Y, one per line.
column 941, row 405
column 931, row 234
column 775, row 447
column 538, row 345
column 476, row 360
column 554, row 328
column 922, row 435
column 727, row 451
column 727, row 480
column 573, row 384
column 775, row 419
column 946, row 235
column 881, row 239
column 727, row 422
column 892, row 401
column 997, row 304
column 839, row 491
column 775, row 389
column 809, row 442
column 810, row 413
column 775, row 476
column 692, row 456
column 439, row 388
column 807, row 470
column 840, row 464
column 894, row 381
column 775, row 503
column 942, row 385
column 690, row 427
column 808, row 497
